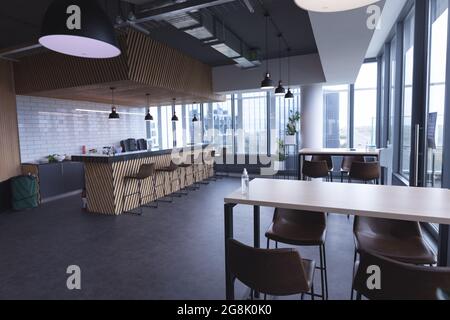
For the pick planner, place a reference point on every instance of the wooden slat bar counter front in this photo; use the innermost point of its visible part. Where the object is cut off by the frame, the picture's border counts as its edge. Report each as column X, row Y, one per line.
column 104, row 176
column 389, row 202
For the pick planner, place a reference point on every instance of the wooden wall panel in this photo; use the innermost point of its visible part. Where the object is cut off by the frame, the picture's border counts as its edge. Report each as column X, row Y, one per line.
column 9, row 135
column 145, row 66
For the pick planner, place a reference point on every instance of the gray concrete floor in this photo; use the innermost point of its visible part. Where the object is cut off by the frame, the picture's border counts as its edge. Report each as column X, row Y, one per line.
column 174, row 252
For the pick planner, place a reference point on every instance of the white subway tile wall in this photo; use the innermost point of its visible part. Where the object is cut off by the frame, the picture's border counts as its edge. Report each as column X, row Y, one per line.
column 53, row 126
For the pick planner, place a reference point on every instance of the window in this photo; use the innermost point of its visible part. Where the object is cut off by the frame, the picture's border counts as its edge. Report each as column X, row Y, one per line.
column 192, row 130
column 152, row 129
column 436, row 90
column 218, row 123
column 251, row 123
column 336, row 109
column 365, row 108
column 166, row 127
column 280, row 111
column 408, row 60
column 392, row 69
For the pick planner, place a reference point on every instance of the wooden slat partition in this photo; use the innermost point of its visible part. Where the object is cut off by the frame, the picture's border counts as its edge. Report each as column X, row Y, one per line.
column 144, row 66
column 9, row 136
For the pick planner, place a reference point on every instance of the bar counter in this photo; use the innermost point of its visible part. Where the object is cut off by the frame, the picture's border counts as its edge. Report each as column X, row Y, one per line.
column 104, row 176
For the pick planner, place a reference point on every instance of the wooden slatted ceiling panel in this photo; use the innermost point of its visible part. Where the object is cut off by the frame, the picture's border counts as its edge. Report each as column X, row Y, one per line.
column 51, row 70
column 145, row 66
column 9, row 136
column 158, row 65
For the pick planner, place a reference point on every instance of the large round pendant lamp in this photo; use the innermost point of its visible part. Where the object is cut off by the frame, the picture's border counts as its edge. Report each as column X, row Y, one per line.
column 79, row 28
column 332, row 5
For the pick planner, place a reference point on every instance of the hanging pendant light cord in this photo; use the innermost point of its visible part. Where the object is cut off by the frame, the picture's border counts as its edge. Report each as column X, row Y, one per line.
column 289, row 68
column 267, row 45
column 279, row 52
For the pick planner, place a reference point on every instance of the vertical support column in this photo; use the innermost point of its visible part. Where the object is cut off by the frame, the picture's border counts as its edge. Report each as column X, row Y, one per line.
column 311, row 126
column 228, row 220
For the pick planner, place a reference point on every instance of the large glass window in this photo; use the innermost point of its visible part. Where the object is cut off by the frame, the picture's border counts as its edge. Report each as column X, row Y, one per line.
column 218, row 123
column 251, row 123
column 436, row 90
column 365, row 109
column 336, row 109
column 192, row 129
column 166, row 127
column 152, row 129
column 408, row 66
column 392, row 69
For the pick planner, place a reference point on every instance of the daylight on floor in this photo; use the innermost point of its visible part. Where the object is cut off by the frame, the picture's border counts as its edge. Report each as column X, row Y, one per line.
column 264, row 151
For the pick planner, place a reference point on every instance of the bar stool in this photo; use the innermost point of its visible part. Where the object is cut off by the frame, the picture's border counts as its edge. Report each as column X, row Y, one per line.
column 315, row 170
column 329, row 161
column 169, row 171
column 199, row 168
column 365, row 171
column 145, row 171
column 398, row 240
column 347, row 164
column 280, row 272
column 301, row 228
column 208, row 167
column 400, row 281
column 186, row 166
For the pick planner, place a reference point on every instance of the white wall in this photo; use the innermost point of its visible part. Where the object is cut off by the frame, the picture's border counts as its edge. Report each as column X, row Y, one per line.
column 306, row 69
column 52, row 126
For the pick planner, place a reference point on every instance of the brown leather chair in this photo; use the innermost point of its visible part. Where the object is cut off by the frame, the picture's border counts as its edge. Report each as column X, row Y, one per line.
column 399, row 240
column 347, row 164
column 365, row 171
column 399, row 281
column 301, row 228
column 280, row 272
column 329, row 161
column 315, row 170
column 168, row 172
column 146, row 171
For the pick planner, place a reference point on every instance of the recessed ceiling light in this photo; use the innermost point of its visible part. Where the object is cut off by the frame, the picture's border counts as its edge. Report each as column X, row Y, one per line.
column 332, row 5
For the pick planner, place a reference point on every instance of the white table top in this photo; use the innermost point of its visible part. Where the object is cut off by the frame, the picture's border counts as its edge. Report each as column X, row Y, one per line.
column 340, row 152
column 390, row 202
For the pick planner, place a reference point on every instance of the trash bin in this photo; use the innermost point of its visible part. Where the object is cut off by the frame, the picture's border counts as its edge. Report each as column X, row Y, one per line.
column 24, row 192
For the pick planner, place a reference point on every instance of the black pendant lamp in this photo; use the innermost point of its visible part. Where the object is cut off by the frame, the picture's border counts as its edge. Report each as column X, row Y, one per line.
column 174, row 117
column 113, row 115
column 79, row 28
column 289, row 94
column 267, row 83
column 148, row 117
column 280, row 91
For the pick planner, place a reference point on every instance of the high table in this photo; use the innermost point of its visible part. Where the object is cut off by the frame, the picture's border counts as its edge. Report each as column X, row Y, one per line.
column 389, row 202
column 334, row 153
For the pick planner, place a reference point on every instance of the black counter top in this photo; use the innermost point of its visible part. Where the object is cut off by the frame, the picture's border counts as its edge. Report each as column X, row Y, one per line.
column 100, row 158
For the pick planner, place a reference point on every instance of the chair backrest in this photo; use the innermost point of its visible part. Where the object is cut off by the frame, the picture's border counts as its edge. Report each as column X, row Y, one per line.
column 348, row 160
column 399, row 281
column 318, row 169
column 387, row 227
column 132, row 145
column 365, row 171
column 299, row 216
column 276, row 272
column 326, row 158
column 146, row 171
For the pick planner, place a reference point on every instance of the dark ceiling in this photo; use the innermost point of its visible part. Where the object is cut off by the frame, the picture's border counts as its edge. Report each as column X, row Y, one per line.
column 20, row 23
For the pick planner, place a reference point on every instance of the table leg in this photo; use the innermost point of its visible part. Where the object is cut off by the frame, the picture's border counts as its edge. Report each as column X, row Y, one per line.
column 256, row 232
column 301, row 159
column 228, row 215
column 444, row 246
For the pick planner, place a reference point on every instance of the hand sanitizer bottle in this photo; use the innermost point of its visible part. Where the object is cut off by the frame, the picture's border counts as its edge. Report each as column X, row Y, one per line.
column 245, row 181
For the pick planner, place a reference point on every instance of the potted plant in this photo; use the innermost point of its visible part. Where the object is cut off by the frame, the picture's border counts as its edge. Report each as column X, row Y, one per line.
column 291, row 128
column 281, row 156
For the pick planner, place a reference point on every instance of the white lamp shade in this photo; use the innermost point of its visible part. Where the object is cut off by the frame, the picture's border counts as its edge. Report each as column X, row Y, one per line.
column 332, row 5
